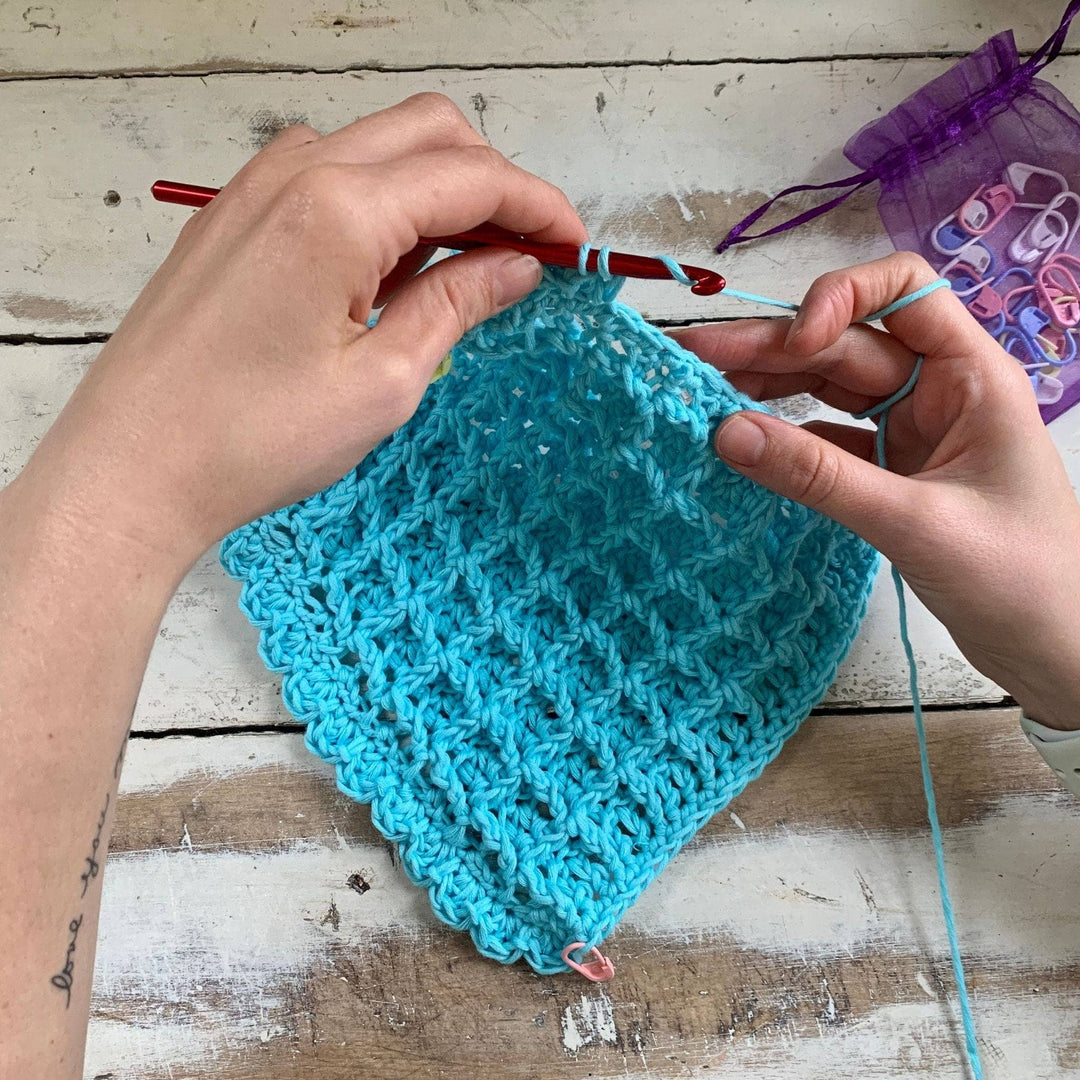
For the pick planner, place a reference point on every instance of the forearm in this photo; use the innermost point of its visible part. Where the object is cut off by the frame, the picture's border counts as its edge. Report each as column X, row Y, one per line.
column 80, row 602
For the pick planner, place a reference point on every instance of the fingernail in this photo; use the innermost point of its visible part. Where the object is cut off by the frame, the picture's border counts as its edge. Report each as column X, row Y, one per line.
column 740, row 441
column 516, row 278
column 797, row 325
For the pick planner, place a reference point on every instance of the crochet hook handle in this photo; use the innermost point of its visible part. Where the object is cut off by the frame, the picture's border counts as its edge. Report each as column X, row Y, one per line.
column 705, row 282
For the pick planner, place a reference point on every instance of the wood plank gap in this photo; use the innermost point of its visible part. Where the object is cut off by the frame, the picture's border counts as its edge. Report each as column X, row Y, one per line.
column 283, row 728
column 200, row 71
column 997, row 705
column 674, row 324
column 61, row 339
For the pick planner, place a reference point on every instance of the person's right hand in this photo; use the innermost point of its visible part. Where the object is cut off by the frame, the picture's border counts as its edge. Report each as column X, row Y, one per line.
column 977, row 512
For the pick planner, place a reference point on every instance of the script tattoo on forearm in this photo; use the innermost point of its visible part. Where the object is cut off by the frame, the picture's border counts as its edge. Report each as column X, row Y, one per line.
column 62, row 979
column 92, row 865
column 123, row 747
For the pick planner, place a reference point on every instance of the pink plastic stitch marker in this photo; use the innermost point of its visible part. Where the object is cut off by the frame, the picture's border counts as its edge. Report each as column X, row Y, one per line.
column 599, row 970
column 983, row 210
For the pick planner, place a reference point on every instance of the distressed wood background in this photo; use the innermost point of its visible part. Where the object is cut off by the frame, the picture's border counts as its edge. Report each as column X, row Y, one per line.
column 254, row 924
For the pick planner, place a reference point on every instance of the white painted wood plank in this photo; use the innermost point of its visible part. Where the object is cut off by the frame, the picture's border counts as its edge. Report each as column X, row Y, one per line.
column 204, row 669
column 212, row 35
column 748, row 884
column 657, row 159
column 216, row 957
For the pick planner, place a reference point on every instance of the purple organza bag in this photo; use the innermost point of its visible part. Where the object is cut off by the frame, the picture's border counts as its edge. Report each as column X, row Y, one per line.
column 987, row 146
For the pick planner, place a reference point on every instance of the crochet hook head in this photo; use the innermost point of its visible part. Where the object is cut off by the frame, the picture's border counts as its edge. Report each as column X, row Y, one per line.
column 621, row 264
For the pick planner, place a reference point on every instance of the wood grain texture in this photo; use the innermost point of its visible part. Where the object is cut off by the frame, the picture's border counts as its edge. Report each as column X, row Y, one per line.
column 254, row 924
column 84, row 36
column 205, row 672
column 656, row 159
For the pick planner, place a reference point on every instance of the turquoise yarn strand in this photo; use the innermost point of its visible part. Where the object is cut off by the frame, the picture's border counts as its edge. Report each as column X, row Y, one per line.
column 676, row 270
column 755, row 299
column 898, row 305
column 881, row 412
column 604, row 270
column 680, row 275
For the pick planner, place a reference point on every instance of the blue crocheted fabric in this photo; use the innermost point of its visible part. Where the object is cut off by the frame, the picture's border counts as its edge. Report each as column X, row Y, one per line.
column 542, row 629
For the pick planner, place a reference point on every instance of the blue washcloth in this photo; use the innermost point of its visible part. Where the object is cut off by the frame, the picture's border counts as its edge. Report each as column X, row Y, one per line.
column 542, row 629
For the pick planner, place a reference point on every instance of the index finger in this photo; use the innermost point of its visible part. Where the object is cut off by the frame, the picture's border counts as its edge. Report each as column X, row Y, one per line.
column 937, row 325
column 448, row 191
column 862, row 357
column 422, row 122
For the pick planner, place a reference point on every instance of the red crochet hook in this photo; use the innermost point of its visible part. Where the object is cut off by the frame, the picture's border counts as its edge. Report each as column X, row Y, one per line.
column 706, row 282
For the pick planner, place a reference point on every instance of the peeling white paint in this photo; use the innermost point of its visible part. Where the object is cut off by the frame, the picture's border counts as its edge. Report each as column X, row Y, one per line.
column 1019, row 1039
column 171, row 918
column 296, row 35
column 829, row 1013
column 571, row 1037
column 131, row 1051
column 591, row 1020
column 924, row 985
column 220, row 914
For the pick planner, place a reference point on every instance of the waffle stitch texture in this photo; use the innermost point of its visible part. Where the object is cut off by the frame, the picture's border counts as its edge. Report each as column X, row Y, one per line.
column 541, row 629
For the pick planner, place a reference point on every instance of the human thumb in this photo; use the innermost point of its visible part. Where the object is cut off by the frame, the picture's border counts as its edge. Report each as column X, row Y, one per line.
column 429, row 314
column 804, row 467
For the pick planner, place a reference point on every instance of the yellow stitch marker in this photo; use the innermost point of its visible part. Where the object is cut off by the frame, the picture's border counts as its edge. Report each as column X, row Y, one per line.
column 444, row 366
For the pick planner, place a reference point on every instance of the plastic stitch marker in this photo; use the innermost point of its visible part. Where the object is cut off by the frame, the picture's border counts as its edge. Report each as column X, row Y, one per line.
column 1064, row 258
column 982, row 211
column 974, row 213
column 1020, row 272
column 963, row 279
column 974, row 255
column 1018, row 346
column 1062, row 342
column 1032, row 320
column 1048, row 390
column 985, row 304
column 1047, row 230
column 1064, row 309
column 1019, row 173
column 948, row 238
column 1056, row 204
column 1026, row 292
column 1058, row 293
column 599, row 970
column 705, row 282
